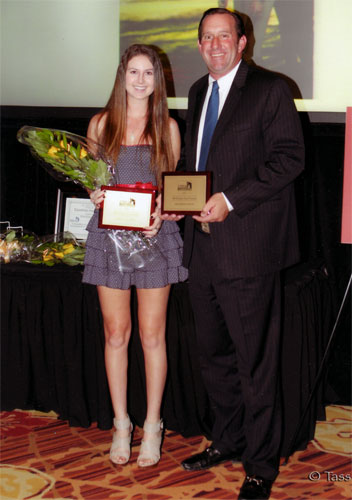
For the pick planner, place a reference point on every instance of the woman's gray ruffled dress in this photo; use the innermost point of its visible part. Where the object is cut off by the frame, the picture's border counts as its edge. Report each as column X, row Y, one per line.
column 102, row 264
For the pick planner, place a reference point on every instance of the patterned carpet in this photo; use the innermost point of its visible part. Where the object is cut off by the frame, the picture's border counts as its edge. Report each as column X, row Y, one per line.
column 42, row 457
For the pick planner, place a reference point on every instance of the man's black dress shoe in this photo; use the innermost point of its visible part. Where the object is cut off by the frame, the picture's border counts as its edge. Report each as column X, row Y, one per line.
column 208, row 458
column 255, row 488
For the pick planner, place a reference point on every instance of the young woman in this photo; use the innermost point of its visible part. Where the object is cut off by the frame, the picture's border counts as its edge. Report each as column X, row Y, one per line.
column 137, row 132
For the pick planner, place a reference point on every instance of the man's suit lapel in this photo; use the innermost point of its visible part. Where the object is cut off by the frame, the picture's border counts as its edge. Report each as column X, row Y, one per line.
column 226, row 113
column 231, row 102
column 198, row 106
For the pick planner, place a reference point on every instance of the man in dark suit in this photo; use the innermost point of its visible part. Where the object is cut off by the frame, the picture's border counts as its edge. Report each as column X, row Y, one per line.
column 235, row 250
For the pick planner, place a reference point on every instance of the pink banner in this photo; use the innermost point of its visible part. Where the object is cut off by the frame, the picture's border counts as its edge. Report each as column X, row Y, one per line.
column 346, row 226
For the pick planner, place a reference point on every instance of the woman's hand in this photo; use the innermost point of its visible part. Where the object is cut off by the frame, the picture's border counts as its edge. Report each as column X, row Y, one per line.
column 97, row 197
column 153, row 230
column 171, row 217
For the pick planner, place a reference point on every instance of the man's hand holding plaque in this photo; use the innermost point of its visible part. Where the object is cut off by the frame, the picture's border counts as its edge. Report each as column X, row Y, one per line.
column 184, row 193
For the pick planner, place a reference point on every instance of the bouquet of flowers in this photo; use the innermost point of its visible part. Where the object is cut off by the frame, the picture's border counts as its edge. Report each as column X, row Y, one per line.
column 69, row 157
column 58, row 248
column 15, row 247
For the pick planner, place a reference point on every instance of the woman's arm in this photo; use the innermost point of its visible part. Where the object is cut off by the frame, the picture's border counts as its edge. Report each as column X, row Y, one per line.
column 94, row 131
column 176, row 148
column 175, row 141
column 96, row 126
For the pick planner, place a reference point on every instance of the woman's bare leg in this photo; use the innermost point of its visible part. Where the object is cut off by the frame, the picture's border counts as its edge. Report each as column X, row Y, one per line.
column 152, row 309
column 115, row 308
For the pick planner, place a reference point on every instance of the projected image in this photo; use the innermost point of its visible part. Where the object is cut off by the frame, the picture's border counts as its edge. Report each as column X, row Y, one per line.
column 280, row 37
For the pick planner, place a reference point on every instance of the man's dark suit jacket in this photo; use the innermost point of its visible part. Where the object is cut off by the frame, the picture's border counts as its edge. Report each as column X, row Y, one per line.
column 255, row 154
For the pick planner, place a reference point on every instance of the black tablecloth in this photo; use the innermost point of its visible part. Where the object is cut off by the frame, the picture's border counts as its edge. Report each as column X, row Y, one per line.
column 52, row 354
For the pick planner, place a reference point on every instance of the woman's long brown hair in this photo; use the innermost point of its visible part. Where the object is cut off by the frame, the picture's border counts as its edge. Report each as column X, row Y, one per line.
column 157, row 129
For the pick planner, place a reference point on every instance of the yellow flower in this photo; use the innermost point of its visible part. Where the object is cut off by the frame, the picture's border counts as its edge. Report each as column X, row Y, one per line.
column 63, row 145
column 68, row 248
column 52, row 151
column 47, row 257
column 59, row 255
column 83, row 153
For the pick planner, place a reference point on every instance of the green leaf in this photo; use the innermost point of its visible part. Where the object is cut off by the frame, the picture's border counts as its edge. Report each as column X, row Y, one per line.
column 73, row 152
column 10, row 236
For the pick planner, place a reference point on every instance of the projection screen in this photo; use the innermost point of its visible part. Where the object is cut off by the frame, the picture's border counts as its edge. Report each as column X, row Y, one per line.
column 65, row 52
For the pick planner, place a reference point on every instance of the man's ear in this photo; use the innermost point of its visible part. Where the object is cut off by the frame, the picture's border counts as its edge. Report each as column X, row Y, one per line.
column 242, row 43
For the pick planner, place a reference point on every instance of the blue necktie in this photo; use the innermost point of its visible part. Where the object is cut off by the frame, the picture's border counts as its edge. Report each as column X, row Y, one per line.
column 211, row 118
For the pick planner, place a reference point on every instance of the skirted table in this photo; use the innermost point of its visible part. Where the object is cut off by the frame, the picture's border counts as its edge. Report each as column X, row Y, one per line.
column 52, row 351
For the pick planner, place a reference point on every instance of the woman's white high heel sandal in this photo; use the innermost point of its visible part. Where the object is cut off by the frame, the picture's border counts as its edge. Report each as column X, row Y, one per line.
column 120, row 450
column 150, row 449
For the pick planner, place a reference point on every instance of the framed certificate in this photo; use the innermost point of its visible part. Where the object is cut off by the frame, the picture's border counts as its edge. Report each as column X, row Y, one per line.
column 73, row 212
column 185, row 193
column 127, row 207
